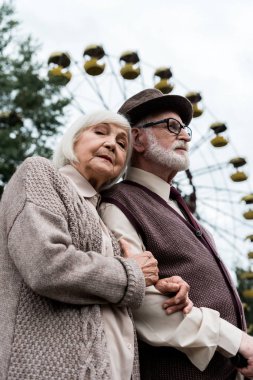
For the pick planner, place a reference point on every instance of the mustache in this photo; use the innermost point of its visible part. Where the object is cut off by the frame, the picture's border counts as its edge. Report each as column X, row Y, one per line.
column 180, row 145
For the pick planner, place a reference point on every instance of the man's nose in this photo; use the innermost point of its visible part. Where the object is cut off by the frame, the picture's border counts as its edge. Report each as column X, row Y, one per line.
column 183, row 135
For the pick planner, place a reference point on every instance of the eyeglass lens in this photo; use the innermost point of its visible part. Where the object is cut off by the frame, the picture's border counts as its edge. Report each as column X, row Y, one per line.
column 174, row 126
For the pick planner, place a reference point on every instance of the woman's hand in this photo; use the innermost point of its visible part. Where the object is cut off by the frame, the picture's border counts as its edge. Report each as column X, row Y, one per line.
column 145, row 260
column 179, row 301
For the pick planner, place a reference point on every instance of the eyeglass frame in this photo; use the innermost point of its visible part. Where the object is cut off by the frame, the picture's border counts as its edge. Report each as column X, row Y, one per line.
column 182, row 126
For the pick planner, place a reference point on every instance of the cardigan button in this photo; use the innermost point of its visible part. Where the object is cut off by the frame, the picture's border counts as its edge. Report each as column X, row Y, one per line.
column 198, row 233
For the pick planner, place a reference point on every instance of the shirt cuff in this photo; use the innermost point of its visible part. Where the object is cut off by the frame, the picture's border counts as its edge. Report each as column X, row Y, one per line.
column 229, row 340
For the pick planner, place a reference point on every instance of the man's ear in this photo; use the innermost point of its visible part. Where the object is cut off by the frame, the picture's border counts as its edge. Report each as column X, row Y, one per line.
column 139, row 139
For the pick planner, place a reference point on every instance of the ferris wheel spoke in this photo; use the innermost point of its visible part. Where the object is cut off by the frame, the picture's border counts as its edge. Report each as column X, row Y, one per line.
column 93, row 85
column 121, row 88
column 209, row 169
column 221, row 189
column 99, row 94
column 223, row 212
column 142, row 79
column 220, row 212
column 223, row 234
column 75, row 101
column 201, row 141
column 221, row 200
column 221, row 229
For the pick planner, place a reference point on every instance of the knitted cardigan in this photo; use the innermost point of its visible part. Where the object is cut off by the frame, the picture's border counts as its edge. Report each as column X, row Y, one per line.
column 53, row 279
column 179, row 250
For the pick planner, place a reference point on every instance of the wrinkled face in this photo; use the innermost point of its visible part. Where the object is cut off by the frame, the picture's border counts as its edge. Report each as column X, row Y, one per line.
column 167, row 149
column 101, row 151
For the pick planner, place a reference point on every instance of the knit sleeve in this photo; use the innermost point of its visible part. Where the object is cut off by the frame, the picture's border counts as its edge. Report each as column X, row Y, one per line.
column 42, row 249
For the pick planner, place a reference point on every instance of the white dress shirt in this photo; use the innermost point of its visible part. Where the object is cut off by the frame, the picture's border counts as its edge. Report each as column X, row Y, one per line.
column 197, row 334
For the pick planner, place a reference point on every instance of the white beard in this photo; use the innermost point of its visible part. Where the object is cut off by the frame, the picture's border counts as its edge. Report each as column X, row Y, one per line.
column 168, row 158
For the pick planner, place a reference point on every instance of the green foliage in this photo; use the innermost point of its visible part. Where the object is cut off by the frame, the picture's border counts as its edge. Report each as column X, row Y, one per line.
column 245, row 283
column 31, row 107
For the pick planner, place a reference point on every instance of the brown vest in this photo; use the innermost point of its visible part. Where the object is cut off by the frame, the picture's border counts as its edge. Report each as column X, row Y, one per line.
column 180, row 250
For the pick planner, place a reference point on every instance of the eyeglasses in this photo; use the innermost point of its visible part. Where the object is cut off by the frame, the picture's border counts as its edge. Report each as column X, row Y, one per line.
column 173, row 126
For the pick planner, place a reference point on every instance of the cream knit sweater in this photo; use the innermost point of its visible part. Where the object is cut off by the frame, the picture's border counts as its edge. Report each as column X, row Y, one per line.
column 53, row 279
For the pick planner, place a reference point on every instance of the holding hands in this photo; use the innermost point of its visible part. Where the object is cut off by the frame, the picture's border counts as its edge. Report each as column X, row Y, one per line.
column 146, row 262
column 178, row 290
column 175, row 287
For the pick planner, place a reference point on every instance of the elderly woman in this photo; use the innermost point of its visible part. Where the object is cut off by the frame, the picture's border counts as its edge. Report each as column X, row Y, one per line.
column 65, row 291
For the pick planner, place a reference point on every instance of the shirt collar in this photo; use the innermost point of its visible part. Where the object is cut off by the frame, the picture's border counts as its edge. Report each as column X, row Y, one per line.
column 80, row 183
column 149, row 180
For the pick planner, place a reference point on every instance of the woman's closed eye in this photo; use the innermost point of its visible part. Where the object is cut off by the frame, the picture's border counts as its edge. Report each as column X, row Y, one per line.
column 100, row 132
column 122, row 144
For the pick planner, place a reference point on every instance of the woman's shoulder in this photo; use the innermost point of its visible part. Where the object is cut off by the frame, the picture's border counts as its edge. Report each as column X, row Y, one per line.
column 31, row 182
column 39, row 170
column 39, row 163
column 41, row 175
column 37, row 180
column 29, row 168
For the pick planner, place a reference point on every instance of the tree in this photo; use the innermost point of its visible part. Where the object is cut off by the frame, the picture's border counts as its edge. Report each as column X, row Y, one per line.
column 245, row 289
column 31, row 107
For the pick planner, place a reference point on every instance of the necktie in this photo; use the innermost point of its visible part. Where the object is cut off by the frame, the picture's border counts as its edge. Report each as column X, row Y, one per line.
column 175, row 195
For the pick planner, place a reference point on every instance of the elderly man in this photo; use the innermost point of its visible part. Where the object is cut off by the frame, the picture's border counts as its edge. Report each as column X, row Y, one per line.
column 148, row 212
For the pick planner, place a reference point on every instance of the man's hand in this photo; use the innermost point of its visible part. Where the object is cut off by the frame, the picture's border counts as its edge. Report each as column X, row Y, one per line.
column 246, row 349
column 246, row 346
column 179, row 301
column 145, row 260
column 247, row 371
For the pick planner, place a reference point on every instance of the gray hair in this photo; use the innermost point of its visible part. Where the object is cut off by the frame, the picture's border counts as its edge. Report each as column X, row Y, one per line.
column 64, row 153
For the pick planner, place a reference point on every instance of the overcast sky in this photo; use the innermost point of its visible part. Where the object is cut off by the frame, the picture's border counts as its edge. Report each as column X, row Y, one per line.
column 207, row 44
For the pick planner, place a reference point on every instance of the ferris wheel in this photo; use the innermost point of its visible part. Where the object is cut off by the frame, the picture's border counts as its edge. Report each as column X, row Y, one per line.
column 216, row 187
